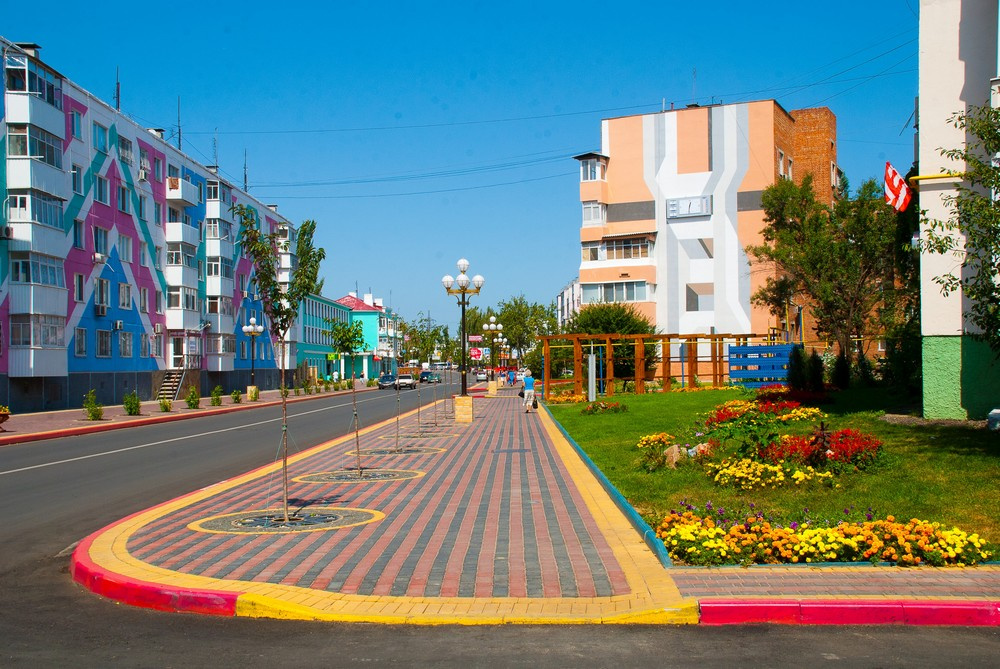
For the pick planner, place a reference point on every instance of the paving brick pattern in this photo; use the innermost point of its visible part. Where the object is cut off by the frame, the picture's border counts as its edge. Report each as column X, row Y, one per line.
column 496, row 515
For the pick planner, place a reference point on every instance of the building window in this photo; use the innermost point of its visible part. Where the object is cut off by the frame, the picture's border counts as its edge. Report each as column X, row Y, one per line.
column 217, row 229
column 143, row 253
column 78, row 234
column 201, row 193
column 27, row 141
column 27, row 76
column 123, row 198
column 173, row 215
column 179, row 297
column 157, row 214
column 101, row 190
column 619, row 291
column 125, row 150
column 158, row 169
column 143, row 159
column 143, row 345
column 220, row 305
column 35, row 268
column 125, row 248
column 143, row 202
column 144, row 300
column 173, row 171
column 788, row 169
column 594, row 213
column 104, row 343
column 591, row 251
column 220, row 266
column 125, row 344
column 100, row 240
column 159, row 302
column 102, row 292
column 179, row 253
column 78, row 287
column 100, row 138
column 592, row 169
column 34, row 205
column 124, row 296
column 627, row 249
column 76, row 124
column 80, row 342
column 77, row 173
column 158, row 259
column 37, row 330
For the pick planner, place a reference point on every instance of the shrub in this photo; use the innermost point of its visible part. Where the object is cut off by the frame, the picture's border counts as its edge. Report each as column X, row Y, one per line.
column 193, row 400
column 866, row 371
column 254, row 394
column 814, row 372
column 603, row 407
column 841, row 377
column 284, row 391
column 797, row 366
column 131, row 404
column 166, row 405
column 93, row 408
column 237, row 396
column 654, row 450
column 216, row 400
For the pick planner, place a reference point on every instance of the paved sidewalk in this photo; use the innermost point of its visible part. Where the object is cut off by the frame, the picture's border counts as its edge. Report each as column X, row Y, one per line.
column 502, row 521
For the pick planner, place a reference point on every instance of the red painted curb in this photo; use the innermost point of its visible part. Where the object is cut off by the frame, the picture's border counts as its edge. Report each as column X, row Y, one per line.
column 145, row 594
column 850, row 612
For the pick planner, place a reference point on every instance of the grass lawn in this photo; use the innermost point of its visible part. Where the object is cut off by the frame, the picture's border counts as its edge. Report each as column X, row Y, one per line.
column 945, row 473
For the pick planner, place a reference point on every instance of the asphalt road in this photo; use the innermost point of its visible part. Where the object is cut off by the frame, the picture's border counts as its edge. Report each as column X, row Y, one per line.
column 56, row 492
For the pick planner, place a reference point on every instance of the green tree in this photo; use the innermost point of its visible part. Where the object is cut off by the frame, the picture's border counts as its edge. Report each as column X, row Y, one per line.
column 523, row 322
column 280, row 300
column 424, row 338
column 345, row 339
column 840, row 258
column 972, row 233
column 616, row 318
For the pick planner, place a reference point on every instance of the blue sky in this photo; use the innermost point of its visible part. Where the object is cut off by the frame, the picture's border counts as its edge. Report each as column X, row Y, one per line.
column 432, row 131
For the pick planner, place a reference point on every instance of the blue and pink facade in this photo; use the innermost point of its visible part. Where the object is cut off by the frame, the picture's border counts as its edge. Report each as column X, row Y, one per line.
column 119, row 254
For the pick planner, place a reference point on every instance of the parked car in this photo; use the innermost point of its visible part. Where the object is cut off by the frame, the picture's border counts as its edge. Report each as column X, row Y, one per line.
column 434, row 377
column 386, row 381
column 406, row 381
column 519, row 376
column 424, row 375
column 481, row 375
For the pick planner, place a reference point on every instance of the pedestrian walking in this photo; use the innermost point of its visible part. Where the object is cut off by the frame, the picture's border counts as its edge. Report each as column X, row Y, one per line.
column 529, row 390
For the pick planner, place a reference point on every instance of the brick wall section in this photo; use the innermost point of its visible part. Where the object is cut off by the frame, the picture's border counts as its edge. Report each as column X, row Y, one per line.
column 815, row 148
column 784, row 138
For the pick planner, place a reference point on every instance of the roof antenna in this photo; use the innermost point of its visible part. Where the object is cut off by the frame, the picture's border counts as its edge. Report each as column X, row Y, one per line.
column 694, row 84
column 118, row 91
column 246, row 186
column 215, row 148
column 179, row 123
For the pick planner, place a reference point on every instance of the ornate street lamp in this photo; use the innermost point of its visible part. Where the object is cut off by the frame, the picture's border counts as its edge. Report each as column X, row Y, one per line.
column 464, row 289
column 253, row 331
column 493, row 330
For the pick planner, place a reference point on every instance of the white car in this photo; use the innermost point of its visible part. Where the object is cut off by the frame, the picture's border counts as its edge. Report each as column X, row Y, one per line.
column 481, row 376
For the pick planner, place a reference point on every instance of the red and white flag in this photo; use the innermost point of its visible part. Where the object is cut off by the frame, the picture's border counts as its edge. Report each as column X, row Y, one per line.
column 897, row 193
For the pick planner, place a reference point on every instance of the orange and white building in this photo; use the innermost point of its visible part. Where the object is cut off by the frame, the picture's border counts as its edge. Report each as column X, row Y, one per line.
column 673, row 198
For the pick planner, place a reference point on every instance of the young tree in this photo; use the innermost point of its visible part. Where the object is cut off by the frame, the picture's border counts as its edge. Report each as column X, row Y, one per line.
column 348, row 340
column 840, row 258
column 616, row 318
column 524, row 321
column 972, row 234
column 280, row 300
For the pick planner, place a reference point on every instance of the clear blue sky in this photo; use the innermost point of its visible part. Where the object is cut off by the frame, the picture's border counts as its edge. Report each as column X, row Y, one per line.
column 418, row 133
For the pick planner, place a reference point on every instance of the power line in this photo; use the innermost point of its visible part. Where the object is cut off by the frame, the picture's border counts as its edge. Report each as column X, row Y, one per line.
column 424, row 192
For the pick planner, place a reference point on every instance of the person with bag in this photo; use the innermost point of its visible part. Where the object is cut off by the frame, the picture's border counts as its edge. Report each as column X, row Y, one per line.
column 529, row 391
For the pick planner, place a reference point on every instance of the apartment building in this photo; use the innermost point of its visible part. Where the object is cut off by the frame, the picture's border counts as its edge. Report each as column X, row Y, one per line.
column 672, row 199
column 119, row 254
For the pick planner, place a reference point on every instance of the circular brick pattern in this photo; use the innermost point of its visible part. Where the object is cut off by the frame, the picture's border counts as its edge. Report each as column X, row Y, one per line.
column 405, row 450
column 272, row 521
column 367, row 476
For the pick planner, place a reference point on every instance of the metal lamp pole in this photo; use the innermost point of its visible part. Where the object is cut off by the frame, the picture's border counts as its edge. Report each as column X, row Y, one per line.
column 463, row 292
column 493, row 329
column 253, row 331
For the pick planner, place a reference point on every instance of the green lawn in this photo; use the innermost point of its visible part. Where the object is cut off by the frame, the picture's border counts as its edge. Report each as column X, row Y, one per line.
column 945, row 473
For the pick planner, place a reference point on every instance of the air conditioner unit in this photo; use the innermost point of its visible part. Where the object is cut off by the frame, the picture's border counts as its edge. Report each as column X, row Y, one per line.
column 118, row 325
column 100, row 257
column 244, row 294
column 143, row 174
column 101, row 309
column 158, row 328
column 6, row 232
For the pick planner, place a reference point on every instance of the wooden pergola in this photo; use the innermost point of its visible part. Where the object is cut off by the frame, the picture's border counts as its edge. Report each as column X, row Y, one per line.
column 699, row 358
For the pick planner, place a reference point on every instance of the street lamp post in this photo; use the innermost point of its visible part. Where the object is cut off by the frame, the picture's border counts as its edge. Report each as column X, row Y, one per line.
column 463, row 291
column 253, row 331
column 493, row 330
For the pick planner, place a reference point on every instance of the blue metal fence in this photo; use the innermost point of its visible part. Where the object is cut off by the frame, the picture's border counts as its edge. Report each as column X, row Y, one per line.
column 761, row 365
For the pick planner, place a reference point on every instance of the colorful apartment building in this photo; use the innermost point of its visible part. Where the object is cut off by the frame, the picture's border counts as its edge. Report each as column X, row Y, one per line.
column 672, row 199
column 119, row 254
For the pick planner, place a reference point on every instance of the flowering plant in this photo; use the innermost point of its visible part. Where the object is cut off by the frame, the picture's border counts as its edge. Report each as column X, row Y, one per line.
column 567, row 398
column 844, row 447
column 4, row 408
column 748, row 474
column 603, row 407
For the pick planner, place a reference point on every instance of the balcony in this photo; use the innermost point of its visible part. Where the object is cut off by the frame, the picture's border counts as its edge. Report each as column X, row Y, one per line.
column 219, row 209
column 175, row 231
column 181, row 192
column 36, row 362
column 183, row 319
column 30, row 298
column 21, row 107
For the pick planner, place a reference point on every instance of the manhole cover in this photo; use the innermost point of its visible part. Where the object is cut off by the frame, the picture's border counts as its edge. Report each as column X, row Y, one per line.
column 272, row 521
column 367, row 476
column 405, row 450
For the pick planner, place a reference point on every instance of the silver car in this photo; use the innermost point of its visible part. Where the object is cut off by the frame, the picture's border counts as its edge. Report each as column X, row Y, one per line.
column 405, row 381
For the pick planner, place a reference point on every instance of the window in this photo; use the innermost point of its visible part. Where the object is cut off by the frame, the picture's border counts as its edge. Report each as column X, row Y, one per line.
column 591, row 251
column 104, row 343
column 144, row 300
column 592, row 169
column 220, row 266
column 34, row 205
column 27, row 76
column 78, row 234
column 77, row 172
column 76, row 124
column 619, row 291
column 124, row 296
column 80, row 342
column 102, row 292
column 125, row 150
column 158, row 169
column 781, row 163
column 100, row 138
column 157, row 214
column 173, row 171
column 182, row 298
column 143, row 158
column 627, row 249
column 101, row 190
column 201, row 193
column 217, row 229
column 159, row 302
column 35, row 268
column 123, row 198
column 173, row 215
column 100, row 240
column 788, row 170
column 158, row 259
column 125, row 344
column 179, row 253
column 594, row 213
column 143, row 253
column 37, row 330
column 220, row 305
column 27, row 141
column 143, row 345
column 700, row 297
column 125, row 248
column 143, row 207
column 78, row 287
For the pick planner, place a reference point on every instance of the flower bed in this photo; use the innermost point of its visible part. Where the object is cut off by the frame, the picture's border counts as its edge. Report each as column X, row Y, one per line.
column 603, row 407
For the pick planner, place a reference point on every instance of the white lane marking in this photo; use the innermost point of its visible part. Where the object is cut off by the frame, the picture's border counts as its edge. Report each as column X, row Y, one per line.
column 167, row 441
